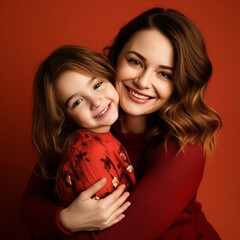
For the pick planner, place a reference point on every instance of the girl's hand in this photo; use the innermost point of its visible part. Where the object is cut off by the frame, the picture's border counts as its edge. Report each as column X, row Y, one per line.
column 89, row 214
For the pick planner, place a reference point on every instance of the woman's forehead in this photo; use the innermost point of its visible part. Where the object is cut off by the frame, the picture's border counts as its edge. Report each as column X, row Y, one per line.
column 152, row 45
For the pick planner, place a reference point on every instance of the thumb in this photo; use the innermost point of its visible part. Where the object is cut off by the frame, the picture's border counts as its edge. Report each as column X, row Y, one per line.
column 88, row 193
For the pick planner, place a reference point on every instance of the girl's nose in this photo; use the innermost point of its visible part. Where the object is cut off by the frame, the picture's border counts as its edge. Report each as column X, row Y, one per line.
column 96, row 102
column 143, row 81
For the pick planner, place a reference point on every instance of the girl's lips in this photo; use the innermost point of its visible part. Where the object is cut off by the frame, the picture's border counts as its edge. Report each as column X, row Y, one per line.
column 136, row 96
column 104, row 112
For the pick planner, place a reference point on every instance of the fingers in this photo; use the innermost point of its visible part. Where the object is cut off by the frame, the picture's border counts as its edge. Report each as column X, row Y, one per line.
column 118, row 207
column 88, row 193
column 119, row 202
column 117, row 216
column 116, row 220
column 113, row 197
column 119, row 211
column 113, row 205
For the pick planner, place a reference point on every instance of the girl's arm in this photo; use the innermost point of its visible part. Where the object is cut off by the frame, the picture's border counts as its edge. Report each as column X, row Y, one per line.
column 43, row 216
column 83, row 164
column 170, row 183
column 90, row 158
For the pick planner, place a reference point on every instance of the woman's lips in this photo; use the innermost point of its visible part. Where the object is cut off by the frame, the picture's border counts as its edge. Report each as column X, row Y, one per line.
column 104, row 112
column 136, row 96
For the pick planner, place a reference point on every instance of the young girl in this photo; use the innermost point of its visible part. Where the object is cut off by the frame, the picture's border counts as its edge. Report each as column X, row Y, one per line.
column 74, row 106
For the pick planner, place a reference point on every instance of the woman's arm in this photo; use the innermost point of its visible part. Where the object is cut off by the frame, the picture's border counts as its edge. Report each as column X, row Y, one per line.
column 165, row 190
column 43, row 216
column 160, row 196
column 38, row 209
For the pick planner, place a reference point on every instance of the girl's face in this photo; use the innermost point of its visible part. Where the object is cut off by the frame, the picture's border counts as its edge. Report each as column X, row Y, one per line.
column 144, row 73
column 90, row 102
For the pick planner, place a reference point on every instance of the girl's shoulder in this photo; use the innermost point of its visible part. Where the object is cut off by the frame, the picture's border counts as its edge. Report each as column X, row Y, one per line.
column 82, row 138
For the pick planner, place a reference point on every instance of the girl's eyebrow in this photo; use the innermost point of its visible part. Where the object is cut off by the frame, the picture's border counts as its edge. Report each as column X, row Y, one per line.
column 76, row 94
column 144, row 59
column 91, row 80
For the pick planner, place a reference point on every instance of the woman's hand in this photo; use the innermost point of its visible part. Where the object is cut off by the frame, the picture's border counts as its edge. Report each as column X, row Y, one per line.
column 89, row 214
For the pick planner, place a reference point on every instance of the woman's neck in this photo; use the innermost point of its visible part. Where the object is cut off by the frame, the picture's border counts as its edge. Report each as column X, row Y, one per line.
column 132, row 124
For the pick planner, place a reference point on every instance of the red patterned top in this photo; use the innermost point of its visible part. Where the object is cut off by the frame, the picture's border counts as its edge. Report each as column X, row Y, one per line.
column 90, row 157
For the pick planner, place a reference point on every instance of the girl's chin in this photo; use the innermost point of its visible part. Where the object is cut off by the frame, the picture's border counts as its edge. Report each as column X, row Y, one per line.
column 112, row 119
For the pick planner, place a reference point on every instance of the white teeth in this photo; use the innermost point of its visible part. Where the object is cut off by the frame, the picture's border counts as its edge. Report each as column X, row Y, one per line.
column 104, row 110
column 138, row 95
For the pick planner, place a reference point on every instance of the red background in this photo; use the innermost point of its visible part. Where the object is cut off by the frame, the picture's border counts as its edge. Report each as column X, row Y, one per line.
column 32, row 29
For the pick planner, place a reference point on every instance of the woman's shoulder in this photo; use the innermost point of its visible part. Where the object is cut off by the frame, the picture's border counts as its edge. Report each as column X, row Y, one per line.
column 173, row 145
column 172, row 151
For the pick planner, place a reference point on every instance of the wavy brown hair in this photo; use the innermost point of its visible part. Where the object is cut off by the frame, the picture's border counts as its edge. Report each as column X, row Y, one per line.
column 51, row 129
column 185, row 116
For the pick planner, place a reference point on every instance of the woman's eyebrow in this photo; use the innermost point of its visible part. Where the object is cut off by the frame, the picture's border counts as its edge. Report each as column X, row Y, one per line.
column 138, row 54
column 144, row 59
column 166, row 67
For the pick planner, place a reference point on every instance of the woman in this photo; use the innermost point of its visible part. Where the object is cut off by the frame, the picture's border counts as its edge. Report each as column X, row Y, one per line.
column 162, row 71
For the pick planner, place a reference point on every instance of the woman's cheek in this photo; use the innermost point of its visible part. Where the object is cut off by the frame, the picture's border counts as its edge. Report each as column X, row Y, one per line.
column 167, row 90
column 124, row 71
column 117, row 87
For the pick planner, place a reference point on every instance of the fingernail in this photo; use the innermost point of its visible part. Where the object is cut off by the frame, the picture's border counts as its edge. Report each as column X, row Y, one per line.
column 103, row 180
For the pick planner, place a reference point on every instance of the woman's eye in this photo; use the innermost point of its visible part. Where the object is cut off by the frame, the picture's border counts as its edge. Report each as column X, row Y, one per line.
column 97, row 85
column 76, row 103
column 135, row 62
column 165, row 75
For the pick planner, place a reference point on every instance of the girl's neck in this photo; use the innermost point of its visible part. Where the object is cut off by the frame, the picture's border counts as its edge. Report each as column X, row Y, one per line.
column 132, row 124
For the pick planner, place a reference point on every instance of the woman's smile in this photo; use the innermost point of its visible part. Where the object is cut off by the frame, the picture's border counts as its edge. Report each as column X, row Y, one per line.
column 136, row 96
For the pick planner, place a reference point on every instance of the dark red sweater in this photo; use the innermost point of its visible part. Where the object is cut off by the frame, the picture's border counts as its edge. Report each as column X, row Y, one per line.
column 163, row 201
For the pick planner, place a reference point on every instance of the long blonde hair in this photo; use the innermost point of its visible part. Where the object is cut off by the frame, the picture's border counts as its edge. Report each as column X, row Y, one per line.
column 186, row 116
column 51, row 129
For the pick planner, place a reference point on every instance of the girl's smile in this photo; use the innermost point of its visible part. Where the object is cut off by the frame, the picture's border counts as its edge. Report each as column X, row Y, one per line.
column 104, row 112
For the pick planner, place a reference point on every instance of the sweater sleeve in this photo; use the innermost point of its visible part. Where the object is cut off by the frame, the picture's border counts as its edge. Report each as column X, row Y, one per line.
column 38, row 209
column 170, row 183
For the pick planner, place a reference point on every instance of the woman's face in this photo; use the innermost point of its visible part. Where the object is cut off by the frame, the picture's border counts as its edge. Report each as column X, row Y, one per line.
column 144, row 73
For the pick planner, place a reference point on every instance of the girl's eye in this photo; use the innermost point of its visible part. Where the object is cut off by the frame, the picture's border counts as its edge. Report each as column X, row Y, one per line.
column 97, row 85
column 135, row 62
column 76, row 103
column 165, row 75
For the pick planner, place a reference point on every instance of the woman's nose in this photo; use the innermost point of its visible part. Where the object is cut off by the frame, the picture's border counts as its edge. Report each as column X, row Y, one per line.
column 143, row 81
